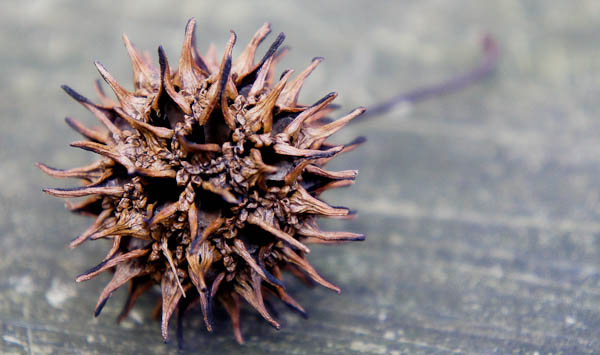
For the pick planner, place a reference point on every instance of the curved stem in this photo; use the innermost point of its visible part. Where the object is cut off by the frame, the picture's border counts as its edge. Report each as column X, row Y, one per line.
column 491, row 54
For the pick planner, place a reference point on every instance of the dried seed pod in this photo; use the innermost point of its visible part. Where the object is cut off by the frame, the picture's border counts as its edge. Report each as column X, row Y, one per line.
column 209, row 180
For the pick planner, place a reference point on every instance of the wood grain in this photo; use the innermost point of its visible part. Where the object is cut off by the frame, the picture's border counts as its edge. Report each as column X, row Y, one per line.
column 481, row 209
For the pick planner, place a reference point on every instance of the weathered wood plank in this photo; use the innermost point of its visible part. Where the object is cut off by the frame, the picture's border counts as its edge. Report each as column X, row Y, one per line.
column 481, row 209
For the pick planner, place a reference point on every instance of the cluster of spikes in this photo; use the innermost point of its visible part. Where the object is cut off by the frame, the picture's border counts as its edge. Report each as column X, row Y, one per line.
column 209, row 180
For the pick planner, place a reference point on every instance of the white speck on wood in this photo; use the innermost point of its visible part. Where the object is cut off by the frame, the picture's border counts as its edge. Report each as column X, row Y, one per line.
column 570, row 320
column 22, row 284
column 136, row 316
column 59, row 292
column 389, row 335
column 12, row 340
column 360, row 346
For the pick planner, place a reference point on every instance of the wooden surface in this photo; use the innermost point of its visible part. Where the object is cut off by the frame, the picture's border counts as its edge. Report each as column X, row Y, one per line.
column 481, row 209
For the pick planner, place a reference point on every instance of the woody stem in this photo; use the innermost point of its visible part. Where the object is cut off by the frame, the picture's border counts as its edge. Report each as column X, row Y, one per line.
column 491, row 53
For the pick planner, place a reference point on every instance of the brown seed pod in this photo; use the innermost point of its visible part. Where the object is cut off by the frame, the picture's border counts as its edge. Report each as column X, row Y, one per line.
column 209, row 180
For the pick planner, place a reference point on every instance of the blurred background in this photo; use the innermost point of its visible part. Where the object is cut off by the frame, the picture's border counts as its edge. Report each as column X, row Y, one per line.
column 481, row 208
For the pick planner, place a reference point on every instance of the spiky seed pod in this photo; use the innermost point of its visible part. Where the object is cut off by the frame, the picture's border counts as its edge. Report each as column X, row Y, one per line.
column 209, row 180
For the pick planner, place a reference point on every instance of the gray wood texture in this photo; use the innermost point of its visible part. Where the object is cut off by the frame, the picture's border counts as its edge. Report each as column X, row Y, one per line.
column 481, row 209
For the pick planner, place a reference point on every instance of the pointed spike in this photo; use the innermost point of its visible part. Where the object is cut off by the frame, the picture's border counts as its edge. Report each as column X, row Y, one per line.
column 302, row 202
column 253, row 295
column 259, row 84
column 109, row 231
column 276, row 59
column 272, row 279
column 304, row 265
column 160, row 132
column 75, row 95
column 127, row 99
column 321, row 116
column 102, row 114
column 217, row 88
column 313, row 240
column 289, row 96
column 107, row 264
column 273, row 49
column 206, row 306
column 211, row 58
column 232, row 306
column 313, row 136
column 292, row 303
column 245, row 62
column 261, row 115
column 167, row 85
column 303, row 277
column 225, row 75
column 88, row 133
column 106, row 102
column 189, row 76
column 106, row 151
column 143, row 75
column 294, row 127
column 310, row 231
column 100, row 304
column 286, row 298
column 123, row 273
column 115, row 247
column 101, row 177
column 277, row 233
column 288, row 301
column 91, row 229
column 200, row 62
column 336, row 175
column 336, row 125
column 99, row 148
column 196, row 272
column 85, row 191
column 171, row 294
column 285, row 149
column 83, row 172
column 241, row 250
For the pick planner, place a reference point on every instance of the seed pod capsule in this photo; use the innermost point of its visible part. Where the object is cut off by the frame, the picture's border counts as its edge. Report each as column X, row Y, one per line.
column 209, row 180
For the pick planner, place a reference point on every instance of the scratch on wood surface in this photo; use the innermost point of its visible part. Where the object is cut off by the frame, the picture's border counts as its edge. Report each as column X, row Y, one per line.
column 411, row 210
column 29, row 342
column 14, row 340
